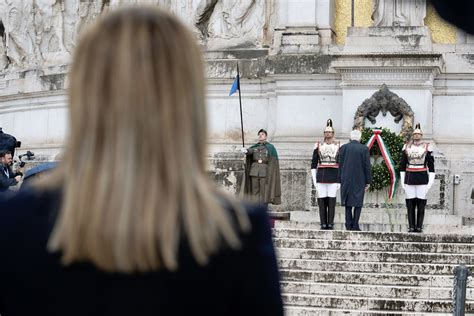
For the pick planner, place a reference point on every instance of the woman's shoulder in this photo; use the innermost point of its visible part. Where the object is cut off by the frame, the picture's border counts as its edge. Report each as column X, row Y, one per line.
column 255, row 212
column 259, row 221
column 26, row 206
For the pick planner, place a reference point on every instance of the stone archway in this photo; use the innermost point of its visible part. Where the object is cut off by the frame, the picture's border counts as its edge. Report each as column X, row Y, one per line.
column 386, row 101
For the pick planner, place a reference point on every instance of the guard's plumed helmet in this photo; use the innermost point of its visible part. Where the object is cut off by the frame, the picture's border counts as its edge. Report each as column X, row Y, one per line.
column 329, row 126
column 418, row 129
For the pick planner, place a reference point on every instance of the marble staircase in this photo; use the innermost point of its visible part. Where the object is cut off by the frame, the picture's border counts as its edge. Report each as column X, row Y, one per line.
column 370, row 272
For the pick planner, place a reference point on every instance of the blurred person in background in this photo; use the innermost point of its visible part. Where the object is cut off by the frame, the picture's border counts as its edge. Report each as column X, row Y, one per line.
column 8, row 178
column 129, row 223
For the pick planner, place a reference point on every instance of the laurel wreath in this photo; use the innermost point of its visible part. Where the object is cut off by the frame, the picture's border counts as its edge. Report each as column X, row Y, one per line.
column 380, row 174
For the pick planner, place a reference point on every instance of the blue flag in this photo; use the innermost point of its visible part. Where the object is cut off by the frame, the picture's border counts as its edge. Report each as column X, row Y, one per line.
column 235, row 86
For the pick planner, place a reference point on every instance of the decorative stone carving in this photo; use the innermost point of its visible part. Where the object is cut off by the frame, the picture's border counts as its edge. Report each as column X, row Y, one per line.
column 76, row 15
column 386, row 101
column 42, row 32
column 399, row 13
column 3, row 48
column 227, row 23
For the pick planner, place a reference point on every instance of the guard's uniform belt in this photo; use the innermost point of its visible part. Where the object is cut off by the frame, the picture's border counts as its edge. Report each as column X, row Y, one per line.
column 328, row 165
column 416, row 168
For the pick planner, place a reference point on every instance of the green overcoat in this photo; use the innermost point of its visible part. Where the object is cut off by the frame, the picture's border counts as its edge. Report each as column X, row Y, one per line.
column 273, row 187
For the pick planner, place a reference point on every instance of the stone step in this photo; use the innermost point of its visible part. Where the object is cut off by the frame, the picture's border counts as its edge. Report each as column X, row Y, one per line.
column 367, row 278
column 282, row 231
column 377, row 291
column 379, row 217
column 452, row 248
column 394, row 228
column 311, row 311
column 375, row 256
column 374, row 267
column 375, row 304
column 401, row 209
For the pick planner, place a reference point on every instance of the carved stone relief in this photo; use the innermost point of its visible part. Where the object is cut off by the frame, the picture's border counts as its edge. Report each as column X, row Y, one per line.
column 42, row 32
column 389, row 13
column 38, row 33
column 224, row 23
column 388, row 102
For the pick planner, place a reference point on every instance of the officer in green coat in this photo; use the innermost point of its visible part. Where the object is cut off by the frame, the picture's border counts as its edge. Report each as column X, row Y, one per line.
column 262, row 171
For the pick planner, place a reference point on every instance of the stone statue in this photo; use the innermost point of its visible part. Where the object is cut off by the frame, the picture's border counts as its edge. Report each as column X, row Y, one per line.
column 389, row 13
column 76, row 14
column 240, row 22
column 42, row 32
column 17, row 17
column 385, row 101
column 38, row 33
column 3, row 48
column 48, row 25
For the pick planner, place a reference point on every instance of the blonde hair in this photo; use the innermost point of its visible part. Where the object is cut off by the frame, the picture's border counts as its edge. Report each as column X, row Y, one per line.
column 133, row 175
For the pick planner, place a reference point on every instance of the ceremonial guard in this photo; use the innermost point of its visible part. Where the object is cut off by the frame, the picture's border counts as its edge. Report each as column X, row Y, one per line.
column 262, row 171
column 417, row 175
column 324, row 169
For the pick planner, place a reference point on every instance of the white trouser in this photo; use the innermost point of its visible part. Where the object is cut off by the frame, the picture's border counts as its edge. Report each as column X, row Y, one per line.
column 416, row 191
column 326, row 189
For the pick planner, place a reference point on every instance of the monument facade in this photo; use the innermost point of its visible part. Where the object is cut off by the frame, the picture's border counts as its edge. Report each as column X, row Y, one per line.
column 294, row 75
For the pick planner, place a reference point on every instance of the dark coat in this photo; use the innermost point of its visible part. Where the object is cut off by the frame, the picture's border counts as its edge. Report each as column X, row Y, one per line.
column 33, row 281
column 6, row 182
column 354, row 173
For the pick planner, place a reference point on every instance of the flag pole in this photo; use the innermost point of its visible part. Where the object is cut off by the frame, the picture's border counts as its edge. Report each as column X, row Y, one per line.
column 240, row 103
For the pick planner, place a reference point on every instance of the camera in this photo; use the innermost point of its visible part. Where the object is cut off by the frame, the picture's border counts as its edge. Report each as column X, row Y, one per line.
column 29, row 156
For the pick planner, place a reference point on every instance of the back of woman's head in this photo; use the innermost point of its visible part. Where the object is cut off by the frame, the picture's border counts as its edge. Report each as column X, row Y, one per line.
column 133, row 173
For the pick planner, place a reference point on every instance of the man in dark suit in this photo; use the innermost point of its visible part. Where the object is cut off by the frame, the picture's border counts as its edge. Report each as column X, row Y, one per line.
column 7, row 177
column 355, row 177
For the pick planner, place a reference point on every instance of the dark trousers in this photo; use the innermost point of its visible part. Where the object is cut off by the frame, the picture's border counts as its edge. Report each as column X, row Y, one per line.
column 258, row 189
column 352, row 220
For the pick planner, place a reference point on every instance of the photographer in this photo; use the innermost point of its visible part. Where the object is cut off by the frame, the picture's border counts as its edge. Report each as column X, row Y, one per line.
column 7, row 177
column 8, row 142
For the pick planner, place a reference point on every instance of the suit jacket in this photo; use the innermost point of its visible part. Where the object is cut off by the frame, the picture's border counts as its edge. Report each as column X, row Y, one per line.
column 6, row 181
column 354, row 173
column 33, row 281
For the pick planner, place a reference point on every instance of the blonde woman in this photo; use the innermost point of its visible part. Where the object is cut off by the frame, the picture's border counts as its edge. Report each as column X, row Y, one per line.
column 129, row 224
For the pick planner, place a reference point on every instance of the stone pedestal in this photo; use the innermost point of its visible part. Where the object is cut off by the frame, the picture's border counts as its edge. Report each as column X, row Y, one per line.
column 303, row 26
column 388, row 39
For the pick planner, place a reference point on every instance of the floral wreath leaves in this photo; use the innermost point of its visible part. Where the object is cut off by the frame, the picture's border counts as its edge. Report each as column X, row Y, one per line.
column 380, row 173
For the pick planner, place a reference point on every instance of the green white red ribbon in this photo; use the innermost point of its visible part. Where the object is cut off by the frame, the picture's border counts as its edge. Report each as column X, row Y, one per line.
column 377, row 137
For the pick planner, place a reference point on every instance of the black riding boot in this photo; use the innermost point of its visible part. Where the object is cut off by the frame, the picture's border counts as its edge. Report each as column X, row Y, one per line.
column 322, row 213
column 421, row 204
column 411, row 214
column 331, row 211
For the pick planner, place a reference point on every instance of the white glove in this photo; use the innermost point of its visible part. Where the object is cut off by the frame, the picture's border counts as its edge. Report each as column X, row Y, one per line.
column 402, row 180
column 243, row 150
column 430, row 181
column 313, row 175
column 338, row 186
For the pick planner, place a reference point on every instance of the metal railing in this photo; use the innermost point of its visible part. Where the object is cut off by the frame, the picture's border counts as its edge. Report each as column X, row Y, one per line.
column 459, row 291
